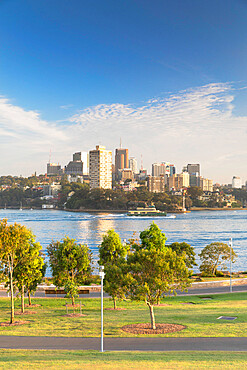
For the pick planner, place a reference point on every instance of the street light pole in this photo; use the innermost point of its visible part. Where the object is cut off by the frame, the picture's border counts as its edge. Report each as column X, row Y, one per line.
column 101, row 274
column 230, row 245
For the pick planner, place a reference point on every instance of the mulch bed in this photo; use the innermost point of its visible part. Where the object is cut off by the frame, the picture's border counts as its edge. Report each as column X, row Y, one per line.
column 188, row 303
column 115, row 309
column 146, row 328
column 15, row 323
column 27, row 312
column 162, row 304
column 74, row 315
column 32, row 305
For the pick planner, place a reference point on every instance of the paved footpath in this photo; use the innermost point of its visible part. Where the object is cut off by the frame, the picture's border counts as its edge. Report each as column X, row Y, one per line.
column 124, row 344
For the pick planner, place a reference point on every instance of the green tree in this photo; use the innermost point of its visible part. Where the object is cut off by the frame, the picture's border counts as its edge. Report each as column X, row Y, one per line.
column 188, row 250
column 14, row 243
column 155, row 269
column 38, row 269
column 112, row 256
column 215, row 255
column 28, row 273
column 70, row 264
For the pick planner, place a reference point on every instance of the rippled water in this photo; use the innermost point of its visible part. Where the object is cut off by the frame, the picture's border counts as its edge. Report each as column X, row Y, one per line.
column 195, row 228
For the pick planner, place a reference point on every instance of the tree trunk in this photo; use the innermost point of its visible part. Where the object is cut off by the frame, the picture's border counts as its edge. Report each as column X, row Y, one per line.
column 12, row 315
column 115, row 303
column 22, row 299
column 29, row 298
column 73, row 300
column 151, row 311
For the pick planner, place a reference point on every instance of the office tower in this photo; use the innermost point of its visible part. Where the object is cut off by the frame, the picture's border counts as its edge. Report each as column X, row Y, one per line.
column 192, row 169
column 156, row 184
column 100, row 168
column 75, row 167
column 236, row 182
column 179, row 181
column 77, row 157
column 133, row 164
column 53, row 169
column 164, row 168
column 121, row 159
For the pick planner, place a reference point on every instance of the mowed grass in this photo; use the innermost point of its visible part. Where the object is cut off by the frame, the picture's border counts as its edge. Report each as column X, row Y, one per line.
column 197, row 314
column 22, row 359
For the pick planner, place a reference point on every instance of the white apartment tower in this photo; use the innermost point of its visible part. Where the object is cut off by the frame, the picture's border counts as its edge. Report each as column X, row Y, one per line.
column 100, row 168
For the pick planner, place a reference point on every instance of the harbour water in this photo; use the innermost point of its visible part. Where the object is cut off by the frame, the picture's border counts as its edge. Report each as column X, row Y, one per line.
column 196, row 228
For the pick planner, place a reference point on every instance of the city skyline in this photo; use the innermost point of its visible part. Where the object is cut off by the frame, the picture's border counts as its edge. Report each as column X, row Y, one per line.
column 168, row 79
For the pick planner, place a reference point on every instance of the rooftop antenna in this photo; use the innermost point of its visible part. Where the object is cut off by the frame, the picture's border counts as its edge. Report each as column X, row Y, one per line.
column 141, row 163
column 120, row 143
column 50, row 156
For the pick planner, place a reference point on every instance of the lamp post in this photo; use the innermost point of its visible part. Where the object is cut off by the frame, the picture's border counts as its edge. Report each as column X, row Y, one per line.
column 230, row 245
column 101, row 274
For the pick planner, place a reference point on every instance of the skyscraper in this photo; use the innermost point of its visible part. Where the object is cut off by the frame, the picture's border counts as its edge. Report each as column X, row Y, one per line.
column 133, row 164
column 100, row 168
column 193, row 169
column 121, row 159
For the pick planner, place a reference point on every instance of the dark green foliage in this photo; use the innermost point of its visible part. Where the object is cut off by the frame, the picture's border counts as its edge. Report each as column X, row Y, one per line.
column 112, row 256
column 70, row 264
column 188, row 250
column 215, row 255
column 155, row 270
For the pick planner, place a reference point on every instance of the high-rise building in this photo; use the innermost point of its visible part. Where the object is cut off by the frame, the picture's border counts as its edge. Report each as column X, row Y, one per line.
column 156, row 184
column 164, row 168
column 100, row 168
column 133, row 165
column 53, row 169
column 75, row 167
column 236, row 182
column 121, row 159
column 193, row 169
column 179, row 181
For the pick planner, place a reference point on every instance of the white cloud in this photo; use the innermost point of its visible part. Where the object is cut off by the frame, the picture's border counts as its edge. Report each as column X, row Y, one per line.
column 195, row 125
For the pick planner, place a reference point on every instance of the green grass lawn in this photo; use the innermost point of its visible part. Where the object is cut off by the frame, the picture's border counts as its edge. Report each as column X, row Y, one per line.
column 22, row 359
column 199, row 318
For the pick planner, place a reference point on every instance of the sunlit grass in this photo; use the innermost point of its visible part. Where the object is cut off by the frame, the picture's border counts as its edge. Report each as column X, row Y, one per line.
column 199, row 317
column 33, row 359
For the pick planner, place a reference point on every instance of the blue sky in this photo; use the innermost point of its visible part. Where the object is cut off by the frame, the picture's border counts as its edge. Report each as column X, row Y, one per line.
column 168, row 77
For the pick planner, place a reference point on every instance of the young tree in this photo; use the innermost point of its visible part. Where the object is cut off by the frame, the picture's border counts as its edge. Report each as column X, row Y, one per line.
column 15, row 242
column 155, row 269
column 38, row 273
column 112, row 256
column 215, row 255
column 30, row 268
column 188, row 250
column 70, row 265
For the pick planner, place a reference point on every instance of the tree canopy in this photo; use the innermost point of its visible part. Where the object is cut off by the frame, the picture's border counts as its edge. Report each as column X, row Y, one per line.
column 70, row 264
column 215, row 255
column 155, row 269
column 112, row 254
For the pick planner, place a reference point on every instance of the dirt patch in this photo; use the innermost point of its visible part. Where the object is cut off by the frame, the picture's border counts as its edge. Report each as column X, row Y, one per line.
column 162, row 305
column 146, row 328
column 188, row 303
column 15, row 323
column 32, row 305
column 27, row 312
column 115, row 309
column 74, row 315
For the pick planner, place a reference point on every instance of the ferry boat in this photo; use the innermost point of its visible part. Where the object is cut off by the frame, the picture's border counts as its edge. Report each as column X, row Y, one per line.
column 146, row 211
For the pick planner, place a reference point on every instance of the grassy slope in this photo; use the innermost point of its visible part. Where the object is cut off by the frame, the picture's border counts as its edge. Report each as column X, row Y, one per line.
column 10, row 359
column 200, row 318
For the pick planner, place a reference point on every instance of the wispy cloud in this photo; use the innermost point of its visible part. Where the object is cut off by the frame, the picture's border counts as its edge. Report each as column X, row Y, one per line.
column 194, row 125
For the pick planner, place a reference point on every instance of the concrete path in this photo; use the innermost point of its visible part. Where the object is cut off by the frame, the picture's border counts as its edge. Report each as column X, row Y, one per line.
column 124, row 344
